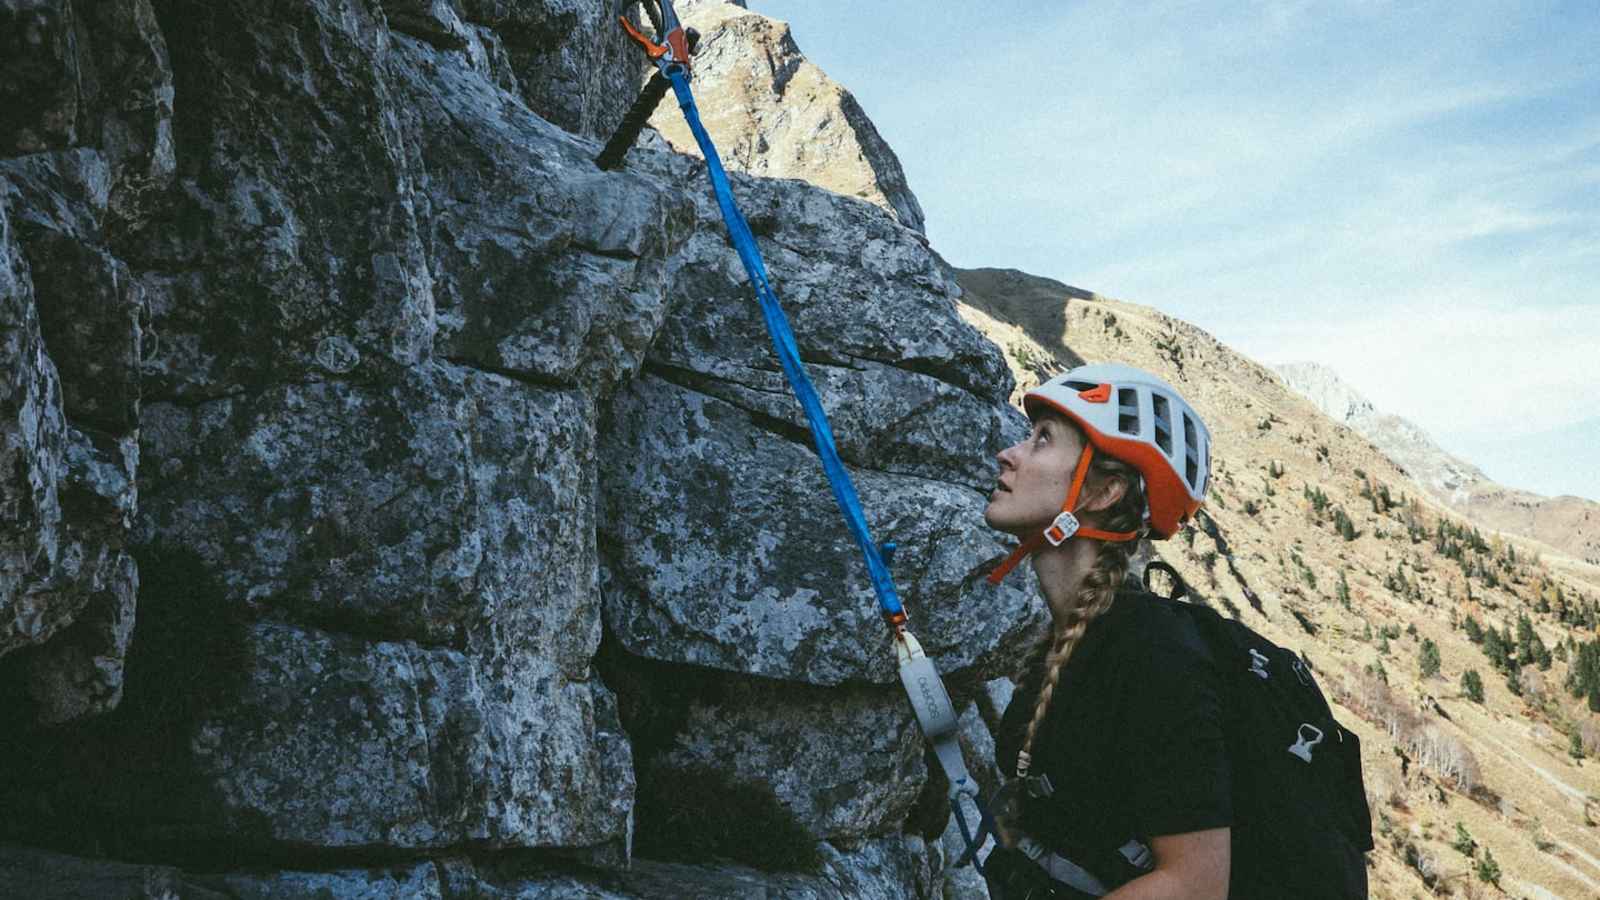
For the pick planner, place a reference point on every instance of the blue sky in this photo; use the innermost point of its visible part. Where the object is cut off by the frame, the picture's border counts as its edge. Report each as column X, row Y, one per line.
column 1406, row 192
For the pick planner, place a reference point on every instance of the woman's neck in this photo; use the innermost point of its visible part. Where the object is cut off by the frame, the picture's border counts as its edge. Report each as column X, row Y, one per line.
column 1061, row 571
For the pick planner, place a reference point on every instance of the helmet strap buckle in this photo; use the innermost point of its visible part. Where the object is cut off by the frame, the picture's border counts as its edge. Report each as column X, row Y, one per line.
column 1065, row 526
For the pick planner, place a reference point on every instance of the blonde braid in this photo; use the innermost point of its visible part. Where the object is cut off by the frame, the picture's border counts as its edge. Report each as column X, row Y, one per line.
column 1095, row 596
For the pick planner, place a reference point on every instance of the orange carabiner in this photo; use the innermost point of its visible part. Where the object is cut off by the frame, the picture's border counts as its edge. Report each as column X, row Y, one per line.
column 651, row 48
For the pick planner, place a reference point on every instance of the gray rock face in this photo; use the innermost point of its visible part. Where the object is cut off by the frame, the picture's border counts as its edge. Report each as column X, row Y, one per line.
column 463, row 498
column 574, row 64
column 69, row 434
column 339, row 742
column 843, row 763
column 259, row 266
column 723, row 547
column 755, row 572
column 325, row 341
column 41, row 875
column 417, row 882
column 542, row 267
column 772, row 112
column 34, row 432
column 41, row 65
column 459, row 518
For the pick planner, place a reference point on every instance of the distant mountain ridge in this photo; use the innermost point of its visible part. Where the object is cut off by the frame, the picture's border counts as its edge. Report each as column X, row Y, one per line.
column 1433, row 467
column 1569, row 524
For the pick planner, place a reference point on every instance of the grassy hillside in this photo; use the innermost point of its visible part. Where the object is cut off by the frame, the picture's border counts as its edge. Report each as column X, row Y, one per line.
column 1315, row 539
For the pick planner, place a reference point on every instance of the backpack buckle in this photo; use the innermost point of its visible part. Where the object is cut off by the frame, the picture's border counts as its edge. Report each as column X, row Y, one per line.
column 1138, row 855
column 1258, row 664
column 1306, row 736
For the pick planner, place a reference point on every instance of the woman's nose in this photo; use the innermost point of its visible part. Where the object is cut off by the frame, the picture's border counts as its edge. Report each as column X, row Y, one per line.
column 1006, row 457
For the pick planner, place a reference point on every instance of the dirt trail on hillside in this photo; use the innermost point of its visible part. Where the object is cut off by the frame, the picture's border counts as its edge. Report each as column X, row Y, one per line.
column 1575, row 793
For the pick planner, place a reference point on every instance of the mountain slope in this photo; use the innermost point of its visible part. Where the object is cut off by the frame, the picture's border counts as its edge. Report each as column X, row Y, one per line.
column 1568, row 524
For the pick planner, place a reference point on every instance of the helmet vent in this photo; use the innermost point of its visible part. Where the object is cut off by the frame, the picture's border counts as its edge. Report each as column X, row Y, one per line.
column 1191, row 452
column 1163, row 423
column 1082, row 385
column 1128, row 411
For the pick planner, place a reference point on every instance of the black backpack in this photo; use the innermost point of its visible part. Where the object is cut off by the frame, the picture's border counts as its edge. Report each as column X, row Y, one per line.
column 1301, row 822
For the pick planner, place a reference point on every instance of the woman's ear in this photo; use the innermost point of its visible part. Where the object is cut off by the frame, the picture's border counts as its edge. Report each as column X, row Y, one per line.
column 1105, row 493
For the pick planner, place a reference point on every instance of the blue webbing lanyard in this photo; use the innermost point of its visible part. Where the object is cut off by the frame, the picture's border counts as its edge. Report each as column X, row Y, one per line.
column 844, row 490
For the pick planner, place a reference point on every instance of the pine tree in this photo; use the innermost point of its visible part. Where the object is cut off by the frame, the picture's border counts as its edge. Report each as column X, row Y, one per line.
column 1472, row 685
column 1494, row 648
column 1488, row 869
column 1428, row 659
column 1525, row 637
column 1464, row 844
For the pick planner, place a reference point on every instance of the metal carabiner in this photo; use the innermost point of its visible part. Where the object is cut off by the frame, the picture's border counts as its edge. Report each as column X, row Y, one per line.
column 670, row 51
column 672, row 43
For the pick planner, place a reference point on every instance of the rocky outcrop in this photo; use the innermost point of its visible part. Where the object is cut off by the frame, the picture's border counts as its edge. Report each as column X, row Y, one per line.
column 349, row 411
column 775, row 113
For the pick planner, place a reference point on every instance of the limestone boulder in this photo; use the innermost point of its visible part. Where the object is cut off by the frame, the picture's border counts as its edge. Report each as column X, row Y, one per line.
column 33, row 434
column 288, row 243
column 39, row 64
column 84, row 134
column 43, row 875
column 420, row 509
column 908, row 385
column 801, row 763
column 542, row 266
column 437, row 562
column 89, row 303
column 339, row 742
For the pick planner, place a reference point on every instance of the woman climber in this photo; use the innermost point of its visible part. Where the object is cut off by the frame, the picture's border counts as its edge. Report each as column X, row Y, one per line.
column 1115, row 735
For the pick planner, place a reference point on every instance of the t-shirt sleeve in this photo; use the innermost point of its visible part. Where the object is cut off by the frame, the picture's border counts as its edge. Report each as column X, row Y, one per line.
column 1172, row 714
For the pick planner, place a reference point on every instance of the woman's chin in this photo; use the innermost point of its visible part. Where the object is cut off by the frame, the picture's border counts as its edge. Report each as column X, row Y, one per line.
column 999, row 521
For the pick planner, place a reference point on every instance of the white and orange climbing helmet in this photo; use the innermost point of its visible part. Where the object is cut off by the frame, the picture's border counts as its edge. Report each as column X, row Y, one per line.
column 1135, row 417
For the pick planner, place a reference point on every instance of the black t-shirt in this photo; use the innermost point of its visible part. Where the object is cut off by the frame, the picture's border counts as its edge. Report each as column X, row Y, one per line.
column 1133, row 742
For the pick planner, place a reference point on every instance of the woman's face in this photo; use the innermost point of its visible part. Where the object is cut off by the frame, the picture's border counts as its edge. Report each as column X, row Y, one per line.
column 1034, row 476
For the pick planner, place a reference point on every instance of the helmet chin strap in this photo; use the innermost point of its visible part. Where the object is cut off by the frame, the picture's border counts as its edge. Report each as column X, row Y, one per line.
column 1065, row 526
